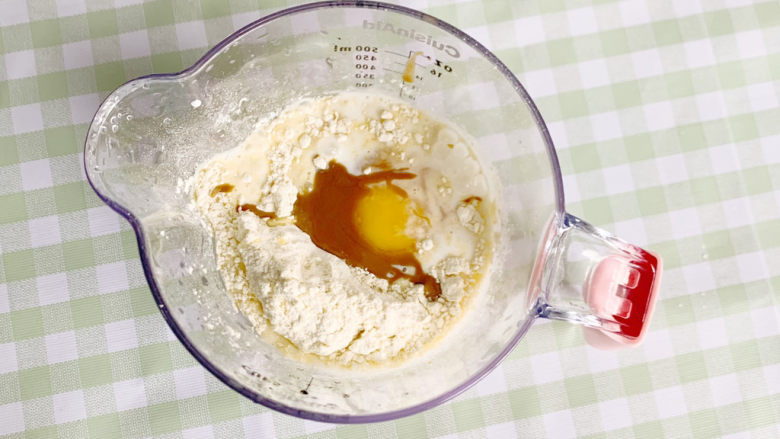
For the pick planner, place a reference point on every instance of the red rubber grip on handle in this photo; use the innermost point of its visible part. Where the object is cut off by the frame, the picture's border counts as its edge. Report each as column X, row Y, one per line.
column 623, row 290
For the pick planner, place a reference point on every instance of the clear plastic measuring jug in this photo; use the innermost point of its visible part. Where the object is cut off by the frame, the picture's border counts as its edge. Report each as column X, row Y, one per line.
column 150, row 135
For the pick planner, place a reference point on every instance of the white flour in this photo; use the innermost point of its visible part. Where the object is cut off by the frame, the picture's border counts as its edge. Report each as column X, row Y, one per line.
column 283, row 283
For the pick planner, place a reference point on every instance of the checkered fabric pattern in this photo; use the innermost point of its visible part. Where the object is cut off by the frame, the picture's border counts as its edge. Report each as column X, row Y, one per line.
column 666, row 116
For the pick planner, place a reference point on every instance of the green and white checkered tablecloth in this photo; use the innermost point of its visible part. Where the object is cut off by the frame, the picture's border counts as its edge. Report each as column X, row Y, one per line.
column 666, row 114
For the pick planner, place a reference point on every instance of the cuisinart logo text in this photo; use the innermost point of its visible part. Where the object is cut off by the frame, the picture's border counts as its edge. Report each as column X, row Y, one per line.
column 411, row 34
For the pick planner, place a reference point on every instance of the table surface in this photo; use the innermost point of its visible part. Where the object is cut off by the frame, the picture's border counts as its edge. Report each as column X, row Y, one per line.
column 666, row 118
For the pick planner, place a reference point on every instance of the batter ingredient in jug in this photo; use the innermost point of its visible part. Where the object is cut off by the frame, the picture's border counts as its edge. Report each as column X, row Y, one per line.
column 353, row 226
column 365, row 223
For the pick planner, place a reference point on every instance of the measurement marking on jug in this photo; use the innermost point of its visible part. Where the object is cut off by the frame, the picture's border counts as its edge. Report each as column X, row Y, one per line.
column 358, row 48
column 438, row 67
column 394, row 53
column 444, row 68
column 365, row 62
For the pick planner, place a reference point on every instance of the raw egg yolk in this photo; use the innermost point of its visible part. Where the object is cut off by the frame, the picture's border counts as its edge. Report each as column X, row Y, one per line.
column 364, row 219
column 381, row 217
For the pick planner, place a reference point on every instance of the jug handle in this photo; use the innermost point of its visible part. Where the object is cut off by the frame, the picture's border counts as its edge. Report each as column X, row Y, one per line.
column 590, row 277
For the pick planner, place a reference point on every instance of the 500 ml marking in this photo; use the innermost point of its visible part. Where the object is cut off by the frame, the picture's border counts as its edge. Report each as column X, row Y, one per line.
column 337, row 48
column 365, row 62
